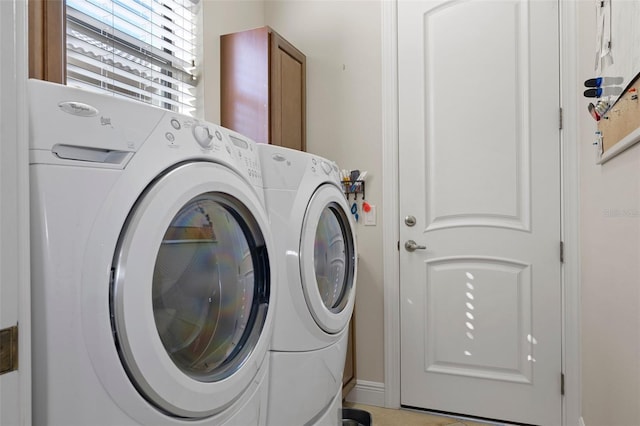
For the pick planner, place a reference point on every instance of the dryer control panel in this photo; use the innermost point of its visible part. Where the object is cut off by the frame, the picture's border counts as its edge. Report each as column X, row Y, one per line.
column 323, row 167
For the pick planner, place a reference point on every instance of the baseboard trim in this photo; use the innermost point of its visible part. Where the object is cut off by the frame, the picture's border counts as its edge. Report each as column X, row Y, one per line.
column 581, row 421
column 367, row 393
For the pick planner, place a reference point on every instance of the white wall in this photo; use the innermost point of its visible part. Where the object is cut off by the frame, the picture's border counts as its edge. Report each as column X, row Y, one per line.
column 342, row 43
column 341, row 40
column 610, row 247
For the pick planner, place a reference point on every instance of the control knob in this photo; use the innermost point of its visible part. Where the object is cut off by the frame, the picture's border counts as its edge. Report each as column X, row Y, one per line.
column 326, row 167
column 202, row 135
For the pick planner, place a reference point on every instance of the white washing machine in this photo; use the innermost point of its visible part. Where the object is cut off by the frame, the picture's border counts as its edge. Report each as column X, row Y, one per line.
column 151, row 278
column 316, row 247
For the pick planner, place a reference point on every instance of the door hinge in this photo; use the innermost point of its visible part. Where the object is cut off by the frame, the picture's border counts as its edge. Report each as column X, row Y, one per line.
column 561, row 251
column 398, row 245
column 560, row 122
column 8, row 349
column 561, row 383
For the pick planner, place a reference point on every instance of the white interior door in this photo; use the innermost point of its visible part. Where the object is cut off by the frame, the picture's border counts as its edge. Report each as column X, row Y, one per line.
column 480, row 173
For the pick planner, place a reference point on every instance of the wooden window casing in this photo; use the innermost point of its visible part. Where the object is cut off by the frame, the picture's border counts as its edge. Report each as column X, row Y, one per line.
column 47, row 27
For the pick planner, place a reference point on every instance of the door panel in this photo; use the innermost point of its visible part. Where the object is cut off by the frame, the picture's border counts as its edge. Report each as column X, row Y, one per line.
column 480, row 172
column 461, row 88
column 494, row 314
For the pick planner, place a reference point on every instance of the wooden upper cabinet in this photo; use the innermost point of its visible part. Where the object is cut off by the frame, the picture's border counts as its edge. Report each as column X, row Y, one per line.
column 262, row 87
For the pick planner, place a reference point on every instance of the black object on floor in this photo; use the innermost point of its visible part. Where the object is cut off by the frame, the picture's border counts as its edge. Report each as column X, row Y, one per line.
column 355, row 417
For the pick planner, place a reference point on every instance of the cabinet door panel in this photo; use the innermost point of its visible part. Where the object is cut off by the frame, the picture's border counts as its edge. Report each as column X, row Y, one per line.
column 288, row 94
column 244, row 78
column 263, row 86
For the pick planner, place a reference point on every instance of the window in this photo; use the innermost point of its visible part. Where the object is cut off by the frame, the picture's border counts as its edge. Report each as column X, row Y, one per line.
column 139, row 49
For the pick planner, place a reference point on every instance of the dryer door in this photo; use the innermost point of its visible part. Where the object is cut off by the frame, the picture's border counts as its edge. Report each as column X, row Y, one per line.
column 328, row 259
column 190, row 290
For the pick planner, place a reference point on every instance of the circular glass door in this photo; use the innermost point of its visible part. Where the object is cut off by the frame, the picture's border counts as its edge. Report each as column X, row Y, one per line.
column 205, row 300
column 328, row 259
column 190, row 290
column 333, row 258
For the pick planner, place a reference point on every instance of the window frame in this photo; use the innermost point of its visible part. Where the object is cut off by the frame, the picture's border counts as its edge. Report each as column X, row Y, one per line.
column 47, row 32
column 47, row 43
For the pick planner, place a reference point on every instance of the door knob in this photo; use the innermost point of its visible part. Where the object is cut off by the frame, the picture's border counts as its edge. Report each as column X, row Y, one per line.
column 413, row 246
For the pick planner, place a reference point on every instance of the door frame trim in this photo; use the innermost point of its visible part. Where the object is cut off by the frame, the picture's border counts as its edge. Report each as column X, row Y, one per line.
column 15, row 155
column 571, row 403
column 391, row 217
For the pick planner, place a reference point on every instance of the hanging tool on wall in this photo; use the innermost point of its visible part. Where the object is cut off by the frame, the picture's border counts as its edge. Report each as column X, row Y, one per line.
column 602, row 87
column 597, row 111
column 353, row 183
column 599, row 92
column 603, row 81
column 354, row 211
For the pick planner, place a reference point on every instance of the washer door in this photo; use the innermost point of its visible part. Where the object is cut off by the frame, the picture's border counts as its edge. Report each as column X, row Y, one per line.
column 190, row 290
column 328, row 259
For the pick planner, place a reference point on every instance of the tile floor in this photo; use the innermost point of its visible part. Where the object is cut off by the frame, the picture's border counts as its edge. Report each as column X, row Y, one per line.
column 391, row 417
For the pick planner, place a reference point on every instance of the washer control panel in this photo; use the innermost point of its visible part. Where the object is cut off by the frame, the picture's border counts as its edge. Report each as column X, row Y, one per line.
column 216, row 141
column 247, row 155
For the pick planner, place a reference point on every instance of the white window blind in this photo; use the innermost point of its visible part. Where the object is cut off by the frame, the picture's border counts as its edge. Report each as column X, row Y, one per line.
column 139, row 49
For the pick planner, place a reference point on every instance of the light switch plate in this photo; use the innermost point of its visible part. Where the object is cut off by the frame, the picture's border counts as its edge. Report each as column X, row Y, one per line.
column 370, row 216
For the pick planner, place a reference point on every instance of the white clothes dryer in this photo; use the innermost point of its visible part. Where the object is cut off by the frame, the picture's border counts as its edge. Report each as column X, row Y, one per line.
column 316, row 248
column 151, row 278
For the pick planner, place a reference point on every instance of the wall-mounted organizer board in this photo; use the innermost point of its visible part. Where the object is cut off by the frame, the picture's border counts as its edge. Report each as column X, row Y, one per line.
column 621, row 127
